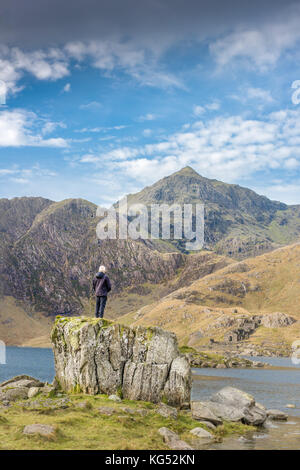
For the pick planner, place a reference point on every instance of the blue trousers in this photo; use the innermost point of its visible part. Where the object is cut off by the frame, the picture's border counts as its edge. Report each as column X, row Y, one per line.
column 100, row 305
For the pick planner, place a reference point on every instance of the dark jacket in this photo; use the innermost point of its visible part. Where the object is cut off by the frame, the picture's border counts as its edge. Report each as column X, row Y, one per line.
column 101, row 284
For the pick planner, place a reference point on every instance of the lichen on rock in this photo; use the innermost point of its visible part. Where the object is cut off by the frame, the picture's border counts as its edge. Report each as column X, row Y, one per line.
column 99, row 356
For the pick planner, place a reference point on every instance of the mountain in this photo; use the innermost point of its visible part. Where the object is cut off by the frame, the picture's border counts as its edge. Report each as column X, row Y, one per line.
column 238, row 222
column 234, row 298
column 49, row 250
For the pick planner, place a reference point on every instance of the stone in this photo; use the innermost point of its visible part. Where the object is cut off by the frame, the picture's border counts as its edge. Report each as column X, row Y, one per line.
column 277, row 415
column 99, row 356
column 277, row 320
column 224, row 412
column 48, row 389
column 201, row 412
column 172, row 440
column 202, row 433
column 126, row 409
column 179, row 382
column 185, row 406
column 221, row 366
column 167, row 411
column 106, row 410
column 142, row 412
column 48, row 404
column 114, row 398
column 237, row 402
column 44, row 430
column 21, row 381
column 233, row 397
column 84, row 405
column 13, row 394
column 33, row 391
column 208, row 424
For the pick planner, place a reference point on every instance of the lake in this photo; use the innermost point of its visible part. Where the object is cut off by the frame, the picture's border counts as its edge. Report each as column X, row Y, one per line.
column 273, row 388
column 37, row 362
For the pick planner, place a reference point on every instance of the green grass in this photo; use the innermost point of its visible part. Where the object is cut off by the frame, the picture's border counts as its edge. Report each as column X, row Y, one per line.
column 86, row 428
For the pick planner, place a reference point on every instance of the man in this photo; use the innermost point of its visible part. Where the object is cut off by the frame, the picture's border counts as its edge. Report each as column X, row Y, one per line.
column 101, row 286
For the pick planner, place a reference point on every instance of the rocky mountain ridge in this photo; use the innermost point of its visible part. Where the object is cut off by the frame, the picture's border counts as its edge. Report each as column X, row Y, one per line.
column 49, row 251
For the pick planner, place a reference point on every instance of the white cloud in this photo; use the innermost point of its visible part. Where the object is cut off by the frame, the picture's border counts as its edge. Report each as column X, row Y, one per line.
column 261, row 46
column 147, row 117
column 51, row 64
column 259, row 94
column 198, row 110
column 137, row 61
column 101, row 129
column 67, row 88
column 227, row 148
column 282, row 191
column 25, row 176
column 92, row 106
column 18, row 128
column 51, row 126
column 147, row 132
column 89, row 158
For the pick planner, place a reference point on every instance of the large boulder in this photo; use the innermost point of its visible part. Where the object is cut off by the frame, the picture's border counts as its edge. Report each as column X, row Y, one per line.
column 229, row 404
column 100, row 356
column 242, row 402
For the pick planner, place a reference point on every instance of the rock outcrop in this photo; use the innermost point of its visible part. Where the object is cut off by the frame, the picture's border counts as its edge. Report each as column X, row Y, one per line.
column 229, row 404
column 277, row 320
column 99, row 356
column 19, row 387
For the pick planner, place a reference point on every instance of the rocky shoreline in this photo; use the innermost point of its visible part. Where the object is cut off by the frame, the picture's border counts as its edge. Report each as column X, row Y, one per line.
column 218, row 361
column 43, row 407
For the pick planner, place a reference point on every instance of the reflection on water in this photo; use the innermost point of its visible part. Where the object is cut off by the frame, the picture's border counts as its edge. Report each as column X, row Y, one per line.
column 279, row 436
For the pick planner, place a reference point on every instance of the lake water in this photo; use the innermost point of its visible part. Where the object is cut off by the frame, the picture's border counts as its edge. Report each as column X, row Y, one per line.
column 37, row 362
column 273, row 388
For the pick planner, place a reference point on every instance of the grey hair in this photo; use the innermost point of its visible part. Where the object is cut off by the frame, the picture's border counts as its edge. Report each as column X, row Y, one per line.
column 102, row 269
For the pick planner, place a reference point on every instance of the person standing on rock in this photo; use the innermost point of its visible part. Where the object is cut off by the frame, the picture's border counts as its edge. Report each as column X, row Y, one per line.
column 101, row 286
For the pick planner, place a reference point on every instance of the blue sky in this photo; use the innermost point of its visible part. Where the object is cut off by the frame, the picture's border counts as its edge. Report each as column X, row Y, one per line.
column 103, row 115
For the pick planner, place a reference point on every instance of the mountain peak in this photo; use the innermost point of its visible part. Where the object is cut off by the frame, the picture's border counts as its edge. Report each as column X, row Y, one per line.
column 187, row 171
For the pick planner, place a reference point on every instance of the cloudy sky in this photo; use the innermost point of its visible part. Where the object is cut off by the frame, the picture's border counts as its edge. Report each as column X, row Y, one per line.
column 101, row 98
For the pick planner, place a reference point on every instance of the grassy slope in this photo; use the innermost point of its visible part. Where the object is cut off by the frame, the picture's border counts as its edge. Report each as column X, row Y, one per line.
column 269, row 283
column 86, row 428
column 17, row 327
